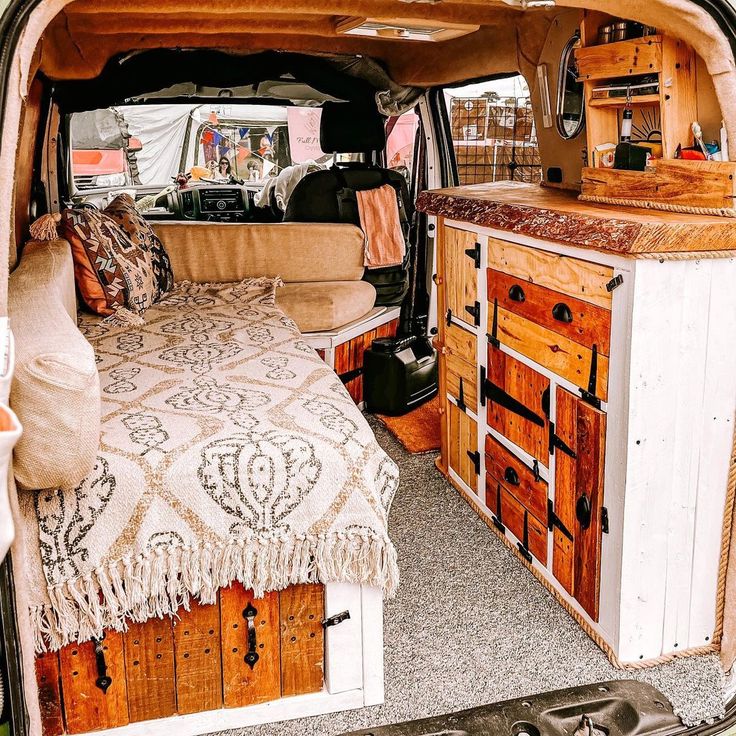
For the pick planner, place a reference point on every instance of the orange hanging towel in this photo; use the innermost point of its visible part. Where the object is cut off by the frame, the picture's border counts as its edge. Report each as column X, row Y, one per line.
column 379, row 218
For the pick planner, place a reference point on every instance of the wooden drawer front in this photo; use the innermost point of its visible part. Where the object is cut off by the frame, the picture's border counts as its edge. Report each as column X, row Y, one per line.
column 515, row 517
column 461, row 276
column 529, row 491
column 460, row 358
column 576, row 562
column 622, row 58
column 462, row 445
column 516, row 410
column 582, row 322
column 571, row 276
column 559, row 354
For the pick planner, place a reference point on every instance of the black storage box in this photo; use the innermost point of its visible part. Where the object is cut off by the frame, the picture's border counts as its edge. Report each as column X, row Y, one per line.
column 399, row 374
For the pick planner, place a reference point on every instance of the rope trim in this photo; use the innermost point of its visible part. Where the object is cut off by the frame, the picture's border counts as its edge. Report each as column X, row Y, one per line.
column 711, row 648
column 695, row 255
column 665, row 206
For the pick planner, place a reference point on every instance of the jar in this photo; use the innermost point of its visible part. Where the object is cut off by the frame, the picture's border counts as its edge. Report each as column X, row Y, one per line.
column 605, row 34
column 620, row 31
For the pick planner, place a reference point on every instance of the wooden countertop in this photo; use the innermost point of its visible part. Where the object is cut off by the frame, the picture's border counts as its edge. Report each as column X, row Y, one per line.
column 555, row 214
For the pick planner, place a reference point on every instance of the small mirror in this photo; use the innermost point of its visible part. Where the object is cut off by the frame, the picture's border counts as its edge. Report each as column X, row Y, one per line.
column 570, row 116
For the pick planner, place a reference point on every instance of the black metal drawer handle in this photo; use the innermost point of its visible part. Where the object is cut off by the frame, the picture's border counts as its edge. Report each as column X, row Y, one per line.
column 511, row 476
column 561, row 312
column 516, row 293
column 583, row 511
column 103, row 680
column 249, row 614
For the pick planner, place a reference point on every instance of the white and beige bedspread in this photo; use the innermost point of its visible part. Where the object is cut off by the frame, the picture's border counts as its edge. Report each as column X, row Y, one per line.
column 229, row 451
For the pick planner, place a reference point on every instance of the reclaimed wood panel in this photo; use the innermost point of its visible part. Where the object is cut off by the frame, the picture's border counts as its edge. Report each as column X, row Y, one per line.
column 149, row 668
column 439, row 344
column 242, row 684
column 461, row 358
column 349, row 357
column 86, row 707
column 513, row 516
column 580, row 279
column 302, row 639
column 48, row 679
column 461, row 276
column 526, row 386
column 563, row 554
column 590, row 324
column 462, row 438
column 198, row 658
column 530, row 492
column 576, row 564
column 620, row 59
column 555, row 352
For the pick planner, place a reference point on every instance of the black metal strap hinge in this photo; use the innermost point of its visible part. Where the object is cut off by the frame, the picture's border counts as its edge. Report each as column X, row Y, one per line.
column 482, row 382
column 535, row 470
column 474, row 311
column 475, row 459
column 524, row 545
column 498, row 518
column 493, row 337
column 556, row 442
column 448, row 317
column 554, row 521
column 474, row 253
column 498, row 396
column 103, row 680
column 589, row 396
column 614, row 283
column 604, row 520
column 338, row 618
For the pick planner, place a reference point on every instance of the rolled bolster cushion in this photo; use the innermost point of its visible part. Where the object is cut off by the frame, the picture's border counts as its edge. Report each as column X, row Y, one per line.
column 56, row 388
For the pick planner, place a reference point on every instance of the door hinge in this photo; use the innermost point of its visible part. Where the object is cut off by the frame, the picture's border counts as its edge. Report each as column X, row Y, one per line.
column 554, row 521
column 614, row 283
column 474, row 311
column 498, row 396
column 524, row 545
column 589, row 396
column 493, row 337
column 557, row 442
column 475, row 457
column 474, row 253
column 460, row 401
column 338, row 618
column 604, row 520
column 497, row 519
column 448, row 317
column 482, row 383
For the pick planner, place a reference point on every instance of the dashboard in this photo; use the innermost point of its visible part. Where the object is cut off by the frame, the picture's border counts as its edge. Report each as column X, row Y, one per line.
column 211, row 202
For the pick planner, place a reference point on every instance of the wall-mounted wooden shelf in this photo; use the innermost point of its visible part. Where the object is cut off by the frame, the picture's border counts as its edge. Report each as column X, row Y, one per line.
column 620, row 102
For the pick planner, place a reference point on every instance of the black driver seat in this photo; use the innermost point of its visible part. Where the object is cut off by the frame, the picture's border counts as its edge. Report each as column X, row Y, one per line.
column 321, row 195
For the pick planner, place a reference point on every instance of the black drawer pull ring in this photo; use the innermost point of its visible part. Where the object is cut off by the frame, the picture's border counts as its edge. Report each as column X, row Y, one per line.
column 583, row 511
column 249, row 614
column 516, row 293
column 561, row 312
column 511, row 476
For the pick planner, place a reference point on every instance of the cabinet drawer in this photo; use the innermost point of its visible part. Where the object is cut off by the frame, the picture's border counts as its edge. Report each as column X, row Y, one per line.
column 460, row 359
column 515, row 403
column 529, row 491
column 559, row 354
column 516, row 518
column 581, row 279
column 582, row 322
column 462, row 445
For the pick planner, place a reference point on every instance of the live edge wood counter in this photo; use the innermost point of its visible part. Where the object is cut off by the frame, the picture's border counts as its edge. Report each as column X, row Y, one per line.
column 587, row 383
column 555, row 214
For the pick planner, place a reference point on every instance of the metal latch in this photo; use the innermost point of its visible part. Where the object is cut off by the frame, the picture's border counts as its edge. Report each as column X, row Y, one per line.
column 555, row 442
column 493, row 337
column 475, row 459
column 614, row 283
column 604, row 520
column 338, row 618
column 249, row 614
column 103, row 680
column 589, row 396
column 554, row 521
column 474, row 311
column 474, row 253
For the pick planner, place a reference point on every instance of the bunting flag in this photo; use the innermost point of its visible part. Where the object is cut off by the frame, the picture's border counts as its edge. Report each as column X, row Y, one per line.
column 213, row 118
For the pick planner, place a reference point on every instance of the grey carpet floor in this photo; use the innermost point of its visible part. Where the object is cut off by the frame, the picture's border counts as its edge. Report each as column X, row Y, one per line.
column 472, row 626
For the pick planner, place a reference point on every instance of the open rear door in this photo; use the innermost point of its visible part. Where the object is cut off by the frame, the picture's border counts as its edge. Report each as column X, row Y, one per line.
column 9, row 433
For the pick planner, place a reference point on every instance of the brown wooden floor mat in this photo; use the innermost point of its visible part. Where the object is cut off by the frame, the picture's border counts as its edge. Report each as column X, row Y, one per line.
column 419, row 430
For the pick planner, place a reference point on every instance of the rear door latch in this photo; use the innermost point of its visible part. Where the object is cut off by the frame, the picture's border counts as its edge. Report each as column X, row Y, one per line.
column 338, row 618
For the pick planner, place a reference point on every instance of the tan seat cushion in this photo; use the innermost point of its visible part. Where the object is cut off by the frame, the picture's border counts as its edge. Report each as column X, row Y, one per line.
column 296, row 251
column 326, row 305
column 56, row 388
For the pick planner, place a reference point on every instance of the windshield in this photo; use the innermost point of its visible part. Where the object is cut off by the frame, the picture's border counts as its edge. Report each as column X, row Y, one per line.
column 147, row 146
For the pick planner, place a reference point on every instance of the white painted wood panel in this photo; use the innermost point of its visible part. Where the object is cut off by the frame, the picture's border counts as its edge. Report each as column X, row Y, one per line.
column 372, row 619
column 344, row 642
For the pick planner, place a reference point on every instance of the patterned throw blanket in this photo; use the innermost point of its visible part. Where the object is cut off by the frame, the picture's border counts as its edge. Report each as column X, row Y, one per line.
column 229, row 451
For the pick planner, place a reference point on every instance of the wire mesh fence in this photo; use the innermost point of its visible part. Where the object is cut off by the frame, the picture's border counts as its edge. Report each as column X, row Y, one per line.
column 494, row 140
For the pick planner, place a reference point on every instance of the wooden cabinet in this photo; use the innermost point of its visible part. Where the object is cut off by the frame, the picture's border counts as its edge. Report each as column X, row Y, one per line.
column 461, row 362
column 461, row 275
column 462, row 446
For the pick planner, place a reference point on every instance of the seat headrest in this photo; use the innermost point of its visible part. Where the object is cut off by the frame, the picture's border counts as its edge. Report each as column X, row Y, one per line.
column 350, row 128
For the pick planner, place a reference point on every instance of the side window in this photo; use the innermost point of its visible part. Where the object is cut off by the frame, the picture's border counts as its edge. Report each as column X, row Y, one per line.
column 401, row 131
column 493, row 132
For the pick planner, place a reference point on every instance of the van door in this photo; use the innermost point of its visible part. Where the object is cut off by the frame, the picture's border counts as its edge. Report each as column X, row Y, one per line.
column 10, row 431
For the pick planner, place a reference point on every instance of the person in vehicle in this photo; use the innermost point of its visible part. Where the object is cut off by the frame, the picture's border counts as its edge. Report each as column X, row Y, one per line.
column 224, row 169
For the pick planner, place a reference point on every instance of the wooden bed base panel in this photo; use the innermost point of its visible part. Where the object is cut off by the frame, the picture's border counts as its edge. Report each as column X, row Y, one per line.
column 195, row 663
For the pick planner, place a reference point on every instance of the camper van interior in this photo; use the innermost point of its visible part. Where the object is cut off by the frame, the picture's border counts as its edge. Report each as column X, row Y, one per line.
column 367, row 367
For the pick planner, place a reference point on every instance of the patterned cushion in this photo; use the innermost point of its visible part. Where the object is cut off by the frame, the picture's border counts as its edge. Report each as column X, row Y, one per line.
column 110, row 270
column 122, row 209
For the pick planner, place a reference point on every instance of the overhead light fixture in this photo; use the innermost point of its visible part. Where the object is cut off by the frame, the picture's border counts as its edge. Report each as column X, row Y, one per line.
column 403, row 29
